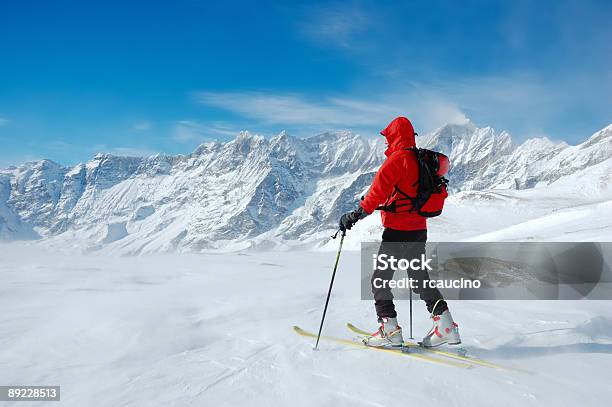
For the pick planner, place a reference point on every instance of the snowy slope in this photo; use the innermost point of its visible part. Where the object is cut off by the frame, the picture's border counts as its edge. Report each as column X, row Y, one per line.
column 215, row 330
column 577, row 210
column 278, row 192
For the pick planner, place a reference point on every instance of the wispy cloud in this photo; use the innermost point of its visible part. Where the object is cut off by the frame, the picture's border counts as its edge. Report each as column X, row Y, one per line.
column 523, row 103
column 187, row 131
column 223, row 129
column 337, row 25
column 142, row 126
column 4, row 121
column 352, row 112
column 276, row 108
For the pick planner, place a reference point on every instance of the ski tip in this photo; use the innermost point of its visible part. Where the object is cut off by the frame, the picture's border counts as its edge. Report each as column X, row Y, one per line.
column 358, row 331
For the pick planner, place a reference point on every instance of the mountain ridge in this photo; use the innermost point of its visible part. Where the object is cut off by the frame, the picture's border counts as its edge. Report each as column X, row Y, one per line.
column 284, row 187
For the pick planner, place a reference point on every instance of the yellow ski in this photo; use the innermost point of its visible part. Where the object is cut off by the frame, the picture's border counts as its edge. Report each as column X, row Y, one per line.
column 451, row 355
column 397, row 352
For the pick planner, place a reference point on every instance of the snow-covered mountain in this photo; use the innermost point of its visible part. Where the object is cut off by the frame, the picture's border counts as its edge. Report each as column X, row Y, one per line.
column 253, row 189
column 481, row 158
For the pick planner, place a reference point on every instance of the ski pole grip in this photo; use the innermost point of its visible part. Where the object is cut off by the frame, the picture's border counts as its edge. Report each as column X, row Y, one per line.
column 335, row 235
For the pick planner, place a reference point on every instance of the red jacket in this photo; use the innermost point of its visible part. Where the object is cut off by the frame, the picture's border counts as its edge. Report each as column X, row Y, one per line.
column 401, row 169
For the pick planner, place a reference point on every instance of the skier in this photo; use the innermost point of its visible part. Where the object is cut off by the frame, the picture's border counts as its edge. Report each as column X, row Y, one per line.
column 404, row 236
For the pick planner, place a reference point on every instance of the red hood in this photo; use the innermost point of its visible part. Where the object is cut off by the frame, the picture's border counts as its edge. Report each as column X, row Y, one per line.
column 399, row 134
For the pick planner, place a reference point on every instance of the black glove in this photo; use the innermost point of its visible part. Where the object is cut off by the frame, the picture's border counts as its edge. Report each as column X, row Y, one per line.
column 350, row 218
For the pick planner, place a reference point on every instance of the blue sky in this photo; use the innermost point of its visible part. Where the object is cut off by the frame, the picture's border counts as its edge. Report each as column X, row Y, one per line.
column 139, row 77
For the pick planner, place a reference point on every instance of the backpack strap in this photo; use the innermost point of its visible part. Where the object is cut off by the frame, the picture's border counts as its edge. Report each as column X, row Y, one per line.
column 393, row 206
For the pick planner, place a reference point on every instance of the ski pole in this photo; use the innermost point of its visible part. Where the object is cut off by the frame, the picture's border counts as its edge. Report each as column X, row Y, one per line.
column 330, row 286
column 411, row 314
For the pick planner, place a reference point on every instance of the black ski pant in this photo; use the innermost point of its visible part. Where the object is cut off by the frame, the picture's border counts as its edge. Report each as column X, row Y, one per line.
column 414, row 248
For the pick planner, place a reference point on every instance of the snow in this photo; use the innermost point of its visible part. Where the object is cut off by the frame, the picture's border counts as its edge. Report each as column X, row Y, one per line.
column 215, row 329
column 115, row 231
column 175, row 280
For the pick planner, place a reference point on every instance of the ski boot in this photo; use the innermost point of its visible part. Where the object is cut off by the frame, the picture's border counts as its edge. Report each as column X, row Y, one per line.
column 389, row 334
column 444, row 330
